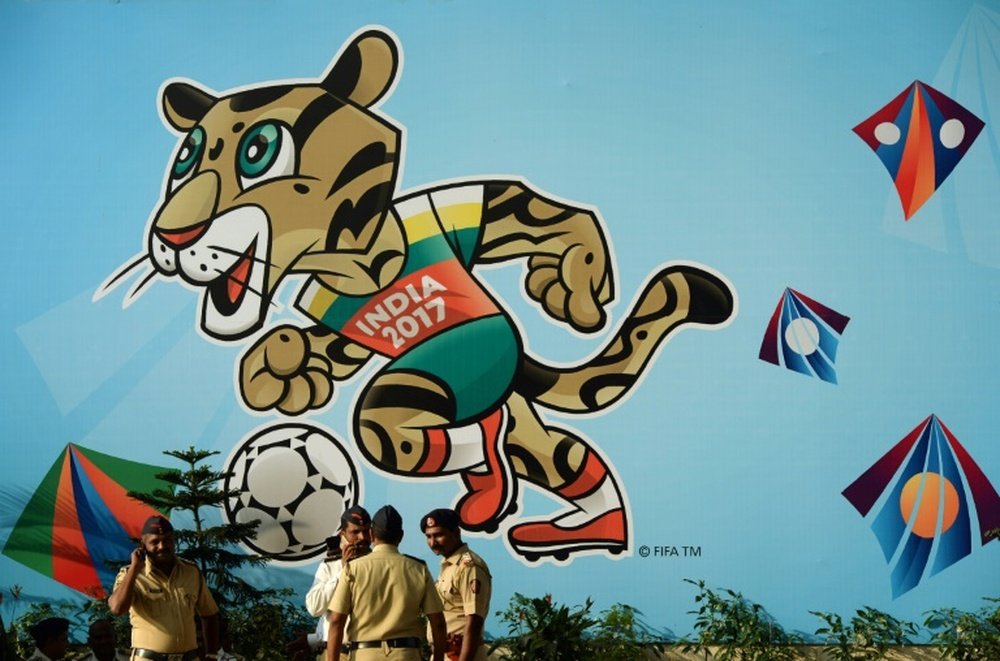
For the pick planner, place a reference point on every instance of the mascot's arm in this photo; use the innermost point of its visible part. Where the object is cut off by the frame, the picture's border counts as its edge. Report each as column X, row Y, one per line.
column 293, row 369
column 569, row 265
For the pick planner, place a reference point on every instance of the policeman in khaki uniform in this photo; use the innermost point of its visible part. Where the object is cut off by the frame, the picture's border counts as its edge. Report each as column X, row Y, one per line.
column 162, row 593
column 464, row 585
column 384, row 594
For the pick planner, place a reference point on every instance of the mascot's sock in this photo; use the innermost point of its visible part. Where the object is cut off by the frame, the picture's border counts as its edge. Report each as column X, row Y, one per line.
column 491, row 491
column 457, row 449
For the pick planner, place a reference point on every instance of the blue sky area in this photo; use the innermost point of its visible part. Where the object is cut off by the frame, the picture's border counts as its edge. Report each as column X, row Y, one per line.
column 713, row 132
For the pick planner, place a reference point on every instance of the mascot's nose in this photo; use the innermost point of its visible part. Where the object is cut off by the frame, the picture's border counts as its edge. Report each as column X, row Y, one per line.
column 186, row 213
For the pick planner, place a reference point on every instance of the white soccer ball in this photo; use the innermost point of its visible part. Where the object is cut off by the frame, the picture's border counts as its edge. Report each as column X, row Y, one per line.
column 296, row 479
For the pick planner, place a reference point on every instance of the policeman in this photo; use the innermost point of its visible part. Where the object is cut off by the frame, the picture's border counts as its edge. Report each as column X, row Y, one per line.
column 464, row 585
column 384, row 593
column 353, row 540
column 162, row 593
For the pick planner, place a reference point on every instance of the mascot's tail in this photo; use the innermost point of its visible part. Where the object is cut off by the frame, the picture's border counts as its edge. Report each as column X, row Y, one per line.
column 678, row 295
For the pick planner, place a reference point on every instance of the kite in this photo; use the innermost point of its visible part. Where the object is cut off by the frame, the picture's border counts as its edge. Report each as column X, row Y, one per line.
column 926, row 519
column 80, row 519
column 803, row 336
column 920, row 136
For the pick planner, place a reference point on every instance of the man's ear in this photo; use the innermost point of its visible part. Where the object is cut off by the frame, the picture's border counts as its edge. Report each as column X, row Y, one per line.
column 365, row 69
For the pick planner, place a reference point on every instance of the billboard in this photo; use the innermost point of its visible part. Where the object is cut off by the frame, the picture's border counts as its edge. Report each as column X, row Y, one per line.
column 628, row 288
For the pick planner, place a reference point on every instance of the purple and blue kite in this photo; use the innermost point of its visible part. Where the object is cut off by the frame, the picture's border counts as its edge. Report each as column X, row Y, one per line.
column 925, row 484
column 803, row 336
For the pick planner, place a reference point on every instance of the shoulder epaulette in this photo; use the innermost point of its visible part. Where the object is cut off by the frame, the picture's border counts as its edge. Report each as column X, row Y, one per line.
column 413, row 557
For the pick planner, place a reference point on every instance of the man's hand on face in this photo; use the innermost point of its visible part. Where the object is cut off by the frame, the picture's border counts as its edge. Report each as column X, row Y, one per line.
column 354, row 542
column 138, row 557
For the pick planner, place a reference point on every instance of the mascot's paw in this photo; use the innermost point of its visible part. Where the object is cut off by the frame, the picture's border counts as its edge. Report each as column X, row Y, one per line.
column 281, row 372
column 540, row 538
column 573, row 287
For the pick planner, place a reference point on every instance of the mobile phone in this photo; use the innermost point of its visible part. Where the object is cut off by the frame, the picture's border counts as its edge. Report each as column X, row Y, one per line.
column 142, row 551
column 333, row 544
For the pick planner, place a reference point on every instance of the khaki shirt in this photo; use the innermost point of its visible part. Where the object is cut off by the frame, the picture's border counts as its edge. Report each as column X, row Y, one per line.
column 163, row 607
column 465, row 587
column 385, row 592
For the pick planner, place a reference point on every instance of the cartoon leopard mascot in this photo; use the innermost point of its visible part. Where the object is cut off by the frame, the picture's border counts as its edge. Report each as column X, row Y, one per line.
column 300, row 178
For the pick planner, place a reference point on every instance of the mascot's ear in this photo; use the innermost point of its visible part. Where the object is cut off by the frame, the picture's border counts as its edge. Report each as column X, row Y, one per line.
column 184, row 105
column 365, row 69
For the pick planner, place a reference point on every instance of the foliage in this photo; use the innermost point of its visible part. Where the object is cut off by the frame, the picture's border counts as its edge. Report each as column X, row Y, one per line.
column 966, row 636
column 20, row 642
column 259, row 621
column 541, row 630
column 261, row 630
column 741, row 629
column 212, row 548
column 622, row 636
column 869, row 635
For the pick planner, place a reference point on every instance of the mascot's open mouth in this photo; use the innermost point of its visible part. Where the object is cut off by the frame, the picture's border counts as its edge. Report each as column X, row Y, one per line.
column 228, row 261
column 229, row 289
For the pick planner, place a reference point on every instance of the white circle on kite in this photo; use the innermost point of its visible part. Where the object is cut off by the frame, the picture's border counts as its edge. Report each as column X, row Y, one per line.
column 802, row 336
column 887, row 133
column 952, row 133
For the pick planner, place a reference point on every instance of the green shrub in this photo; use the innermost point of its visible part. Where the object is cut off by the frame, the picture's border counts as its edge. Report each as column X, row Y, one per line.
column 868, row 636
column 541, row 630
column 741, row 629
column 966, row 636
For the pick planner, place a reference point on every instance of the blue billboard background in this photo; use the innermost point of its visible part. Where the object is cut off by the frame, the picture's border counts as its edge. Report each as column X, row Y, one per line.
column 716, row 133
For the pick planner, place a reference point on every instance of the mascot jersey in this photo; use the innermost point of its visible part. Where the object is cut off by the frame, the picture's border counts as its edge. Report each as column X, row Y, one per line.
column 435, row 318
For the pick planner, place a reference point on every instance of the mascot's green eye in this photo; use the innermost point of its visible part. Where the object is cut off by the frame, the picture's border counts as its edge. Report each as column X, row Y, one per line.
column 265, row 152
column 189, row 154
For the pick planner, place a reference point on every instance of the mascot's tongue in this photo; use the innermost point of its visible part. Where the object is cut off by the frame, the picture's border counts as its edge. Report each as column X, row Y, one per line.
column 238, row 279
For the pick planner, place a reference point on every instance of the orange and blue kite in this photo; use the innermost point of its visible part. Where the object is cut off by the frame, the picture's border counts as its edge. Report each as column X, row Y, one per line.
column 921, row 135
column 924, row 525
column 803, row 336
column 80, row 519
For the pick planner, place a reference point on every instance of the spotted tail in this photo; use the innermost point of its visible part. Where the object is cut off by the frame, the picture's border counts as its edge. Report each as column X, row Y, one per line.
column 677, row 296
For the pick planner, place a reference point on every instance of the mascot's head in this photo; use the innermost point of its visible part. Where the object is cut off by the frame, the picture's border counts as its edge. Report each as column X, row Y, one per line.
column 281, row 178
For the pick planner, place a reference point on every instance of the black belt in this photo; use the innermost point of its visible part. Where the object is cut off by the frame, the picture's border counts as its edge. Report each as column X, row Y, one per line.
column 411, row 641
column 190, row 655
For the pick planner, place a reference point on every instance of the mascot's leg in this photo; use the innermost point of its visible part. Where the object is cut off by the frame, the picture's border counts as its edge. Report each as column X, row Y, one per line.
column 438, row 410
column 393, row 419
column 570, row 469
column 491, row 491
column 404, row 426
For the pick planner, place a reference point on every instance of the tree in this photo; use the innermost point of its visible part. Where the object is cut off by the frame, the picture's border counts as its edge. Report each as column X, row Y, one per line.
column 213, row 548
column 260, row 621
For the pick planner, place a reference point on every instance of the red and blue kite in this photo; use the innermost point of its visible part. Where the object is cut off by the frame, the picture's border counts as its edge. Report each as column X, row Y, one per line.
column 803, row 336
column 80, row 519
column 926, row 519
column 920, row 136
